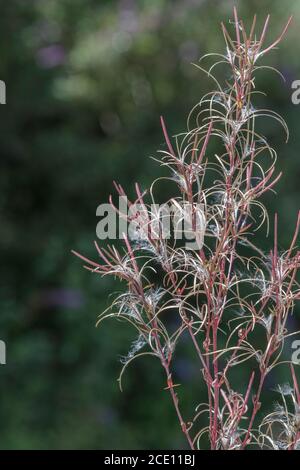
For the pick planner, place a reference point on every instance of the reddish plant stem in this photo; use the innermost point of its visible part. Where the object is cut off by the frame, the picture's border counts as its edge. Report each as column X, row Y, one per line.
column 256, row 407
column 170, row 387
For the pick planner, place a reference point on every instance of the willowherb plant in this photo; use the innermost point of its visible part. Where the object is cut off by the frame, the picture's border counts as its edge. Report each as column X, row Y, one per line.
column 227, row 293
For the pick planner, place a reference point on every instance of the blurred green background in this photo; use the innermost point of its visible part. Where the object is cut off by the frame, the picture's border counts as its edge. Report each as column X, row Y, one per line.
column 86, row 83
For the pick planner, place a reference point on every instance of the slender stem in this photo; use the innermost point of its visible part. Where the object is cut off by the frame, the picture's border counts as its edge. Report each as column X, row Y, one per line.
column 256, row 407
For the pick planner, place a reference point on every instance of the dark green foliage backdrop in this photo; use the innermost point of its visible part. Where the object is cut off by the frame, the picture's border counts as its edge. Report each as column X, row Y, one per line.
column 86, row 83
